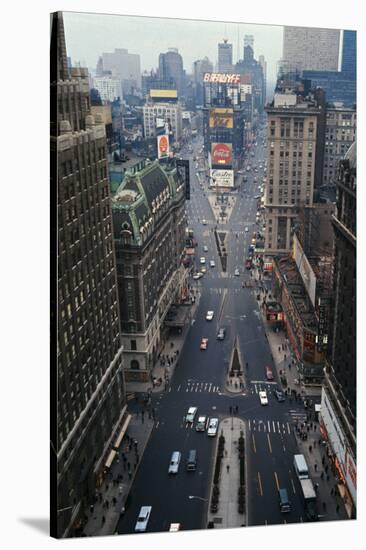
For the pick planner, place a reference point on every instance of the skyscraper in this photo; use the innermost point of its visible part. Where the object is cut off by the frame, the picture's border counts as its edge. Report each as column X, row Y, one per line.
column 125, row 66
column 349, row 57
column 338, row 406
column 310, row 49
column 171, row 68
column 225, row 57
column 89, row 402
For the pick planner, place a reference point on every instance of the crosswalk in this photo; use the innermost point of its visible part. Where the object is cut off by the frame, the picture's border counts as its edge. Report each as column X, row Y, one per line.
column 269, row 426
column 196, row 386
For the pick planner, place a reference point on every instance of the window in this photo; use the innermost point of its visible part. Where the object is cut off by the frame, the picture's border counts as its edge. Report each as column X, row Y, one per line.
column 133, row 345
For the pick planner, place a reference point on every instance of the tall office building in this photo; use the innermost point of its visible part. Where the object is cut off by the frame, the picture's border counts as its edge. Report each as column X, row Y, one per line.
column 171, row 67
column 340, row 133
column 338, row 405
column 225, row 57
column 89, row 402
column 310, row 49
column 200, row 67
column 125, row 66
column 249, row 40
column 349, row 55
column 295, row 161
column 263, row 64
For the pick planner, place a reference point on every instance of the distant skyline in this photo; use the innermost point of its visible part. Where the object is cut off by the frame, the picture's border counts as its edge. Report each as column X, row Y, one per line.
column 89, row 35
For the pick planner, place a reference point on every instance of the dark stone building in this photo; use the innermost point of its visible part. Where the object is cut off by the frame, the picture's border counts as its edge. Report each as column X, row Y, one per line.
column 338, row 409
column 87, row 386
column 149, row 233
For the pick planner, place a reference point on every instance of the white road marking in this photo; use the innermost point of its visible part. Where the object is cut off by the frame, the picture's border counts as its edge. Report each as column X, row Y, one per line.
column 269, row 426
column 273, row 425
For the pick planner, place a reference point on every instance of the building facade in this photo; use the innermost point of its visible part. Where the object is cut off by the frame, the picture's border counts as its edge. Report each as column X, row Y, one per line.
column 225, row 57
column 124, row 66
column 109, row 88
column 338, row 406
column 340, row 133
column 293, row 125
column 149, row 233
column 311, row 48
column 336, row 85
column 171, row 68
column 89, row 389
column 349, row 55
column 169, row 113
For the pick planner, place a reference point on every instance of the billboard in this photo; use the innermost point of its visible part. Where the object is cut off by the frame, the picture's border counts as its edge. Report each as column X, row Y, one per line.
column 222, row 178
column 222, row 78
column 221, row 118
column 305, row 269
column 163, row 146
column 221, row 154
column 163, row 94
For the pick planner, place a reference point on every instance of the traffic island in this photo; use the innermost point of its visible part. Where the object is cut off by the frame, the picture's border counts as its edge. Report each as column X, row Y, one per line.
column 235, row 376
column 227, row 502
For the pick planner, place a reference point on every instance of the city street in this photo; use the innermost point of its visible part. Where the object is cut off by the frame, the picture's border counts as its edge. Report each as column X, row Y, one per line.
column 200, row 381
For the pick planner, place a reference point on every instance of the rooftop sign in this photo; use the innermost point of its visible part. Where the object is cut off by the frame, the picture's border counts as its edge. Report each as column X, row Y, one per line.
column 222, row 78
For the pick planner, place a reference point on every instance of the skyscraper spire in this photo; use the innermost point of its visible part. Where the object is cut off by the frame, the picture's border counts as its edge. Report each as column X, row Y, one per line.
column 59, row 68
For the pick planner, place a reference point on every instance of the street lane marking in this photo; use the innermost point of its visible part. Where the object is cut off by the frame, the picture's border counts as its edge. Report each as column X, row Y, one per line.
column 293, row 486
column 260, row 484
column 278, row 426
column 178, row 389
column 274, row 427
column 276, row 478
column 254, row 447
column 269, row 426
column 249, row 425
column 288, row 428
column 269, row 443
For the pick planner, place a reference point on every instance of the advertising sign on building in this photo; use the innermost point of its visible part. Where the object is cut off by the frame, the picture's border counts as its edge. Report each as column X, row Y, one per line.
column 334, row 431
column 163, row 146
column 351, row 476
column 222, row 178
column 221, row 154
column 221, row 118
column 305, row 269
column 222, row 78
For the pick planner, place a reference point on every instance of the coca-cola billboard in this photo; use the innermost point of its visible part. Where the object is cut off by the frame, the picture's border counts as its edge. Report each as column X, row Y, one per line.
column 221, row 154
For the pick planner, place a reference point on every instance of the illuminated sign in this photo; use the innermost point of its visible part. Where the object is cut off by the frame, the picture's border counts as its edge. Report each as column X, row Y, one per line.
column 171, row 94
column 163, row 146
column 222, row 178
column 221, row 118
column 222, row 78
column 221, row 154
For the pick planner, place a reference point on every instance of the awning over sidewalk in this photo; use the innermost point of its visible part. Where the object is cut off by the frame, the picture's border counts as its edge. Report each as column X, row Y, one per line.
column 110, row 459
column 118, row 441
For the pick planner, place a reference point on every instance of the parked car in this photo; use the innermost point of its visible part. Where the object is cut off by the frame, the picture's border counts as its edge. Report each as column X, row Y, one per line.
column 212, row 263
column 246, row 230
column 202, row 260
column 203, row 270
column 205, row 248
column 174, row 462
column 192, row 411
column 221, row 334
column 269, row 373
column 204, row 222
column 263, row 397
column 143, row 518
column 237, row 272
column 212, row 427
column 204, row 343
column 209, row 316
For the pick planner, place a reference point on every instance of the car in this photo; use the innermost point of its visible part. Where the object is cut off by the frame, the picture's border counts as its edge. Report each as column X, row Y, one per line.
column 246, row 230
column 202, row 260
column 257, row 197
column 197, row 275
column 212, row 427
column 203, row 270
column 248, row 168
column 201, row 424
column 143, row 518
column 205, row 248
column 279, row 395
column 237, row 272
column 204, row 343
column 263, row 397
column 174, row 462
column 209, row 315
column 204, row 222
column 212, row 263
column 192, row 411
column 260, row 167
column 221, row 334
column 269, row 373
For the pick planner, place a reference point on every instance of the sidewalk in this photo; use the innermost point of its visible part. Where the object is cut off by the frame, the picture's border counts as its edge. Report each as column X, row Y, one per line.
column 168, row 358
column 111, row 497
column 227, row 514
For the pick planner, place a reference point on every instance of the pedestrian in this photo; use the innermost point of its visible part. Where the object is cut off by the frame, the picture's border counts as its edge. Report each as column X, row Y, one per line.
column 129, row 476
column 316, row 486
column 327, row 477
column 107, row 504
column 114, row 500
column 326, row 468
column 315, row 466
column 337, row 508
column 332, row 491
column 129, row 465
column 323, row 460
column 322, row 475
column 91, row 508
column 324, row 505
column 103, row 520
column 314, row 428
column 227, row 468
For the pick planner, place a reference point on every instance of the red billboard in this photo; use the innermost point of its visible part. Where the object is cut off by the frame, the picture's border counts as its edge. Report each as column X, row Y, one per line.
column 221, row 154
column 163, row 146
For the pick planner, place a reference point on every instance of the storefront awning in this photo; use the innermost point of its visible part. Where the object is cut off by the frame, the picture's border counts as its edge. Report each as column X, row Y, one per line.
column 121, row 434
column 110, row 459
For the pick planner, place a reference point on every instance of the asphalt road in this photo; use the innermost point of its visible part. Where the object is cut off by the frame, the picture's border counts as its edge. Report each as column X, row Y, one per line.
column 200, row 381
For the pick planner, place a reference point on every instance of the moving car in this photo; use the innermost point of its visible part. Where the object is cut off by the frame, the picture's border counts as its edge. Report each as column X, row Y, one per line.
column 269, row 373
column 212, row 427
column 221, row 334
column 212, row 263
column 246, row 230
column 204, row 343
column 263, row 397
column 204, row 222
column 205, row 248
column 237, row 272
column 202, row 260
column 197, row 275
column 191, row 414
column 209, row 316
column 201, row 424
column 203, row 270
column 143, row 518
column 174, row 462
column 279, row 395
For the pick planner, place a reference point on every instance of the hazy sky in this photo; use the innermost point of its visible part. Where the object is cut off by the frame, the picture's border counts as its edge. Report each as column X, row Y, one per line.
column 88, row 35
